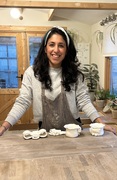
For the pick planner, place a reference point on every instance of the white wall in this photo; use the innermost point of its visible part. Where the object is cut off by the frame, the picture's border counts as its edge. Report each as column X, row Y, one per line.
column 36, row 18
column 110, row 31
column 97, row 53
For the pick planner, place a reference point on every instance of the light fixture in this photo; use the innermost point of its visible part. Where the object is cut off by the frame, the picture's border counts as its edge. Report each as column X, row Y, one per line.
column 108, row 19
column 16, row 13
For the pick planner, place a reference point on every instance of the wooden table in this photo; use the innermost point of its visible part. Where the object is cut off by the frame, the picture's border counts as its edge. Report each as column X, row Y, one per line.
column 58, row 157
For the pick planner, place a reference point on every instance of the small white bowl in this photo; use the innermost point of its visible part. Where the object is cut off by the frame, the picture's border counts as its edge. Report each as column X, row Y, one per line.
column 72, row 130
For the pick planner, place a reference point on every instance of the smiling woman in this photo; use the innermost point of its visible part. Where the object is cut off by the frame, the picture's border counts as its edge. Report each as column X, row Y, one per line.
column 63, row 13
column 55, row 86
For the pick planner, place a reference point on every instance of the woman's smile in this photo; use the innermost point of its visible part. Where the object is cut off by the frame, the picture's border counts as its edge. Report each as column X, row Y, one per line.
column 55, row 56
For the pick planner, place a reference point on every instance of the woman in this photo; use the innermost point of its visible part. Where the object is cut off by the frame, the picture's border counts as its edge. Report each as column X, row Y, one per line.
column 55, row 86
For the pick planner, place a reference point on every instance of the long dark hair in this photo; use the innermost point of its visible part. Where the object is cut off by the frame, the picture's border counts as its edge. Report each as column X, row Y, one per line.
column 69, row 65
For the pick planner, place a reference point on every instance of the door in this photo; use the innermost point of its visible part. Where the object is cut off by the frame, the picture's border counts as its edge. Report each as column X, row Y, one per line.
column 15, row 52
column 12, row 65
column 18, row 49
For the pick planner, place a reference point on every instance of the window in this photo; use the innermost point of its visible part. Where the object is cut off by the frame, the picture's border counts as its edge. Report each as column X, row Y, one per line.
column 113, row 74
column 8, row 63
column 34, row 44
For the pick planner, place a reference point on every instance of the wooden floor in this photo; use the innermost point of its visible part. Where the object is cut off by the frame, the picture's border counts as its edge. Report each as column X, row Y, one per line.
column 58, row 158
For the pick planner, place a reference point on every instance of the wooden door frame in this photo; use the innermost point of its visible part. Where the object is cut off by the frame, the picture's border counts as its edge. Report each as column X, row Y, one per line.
column 107, row 73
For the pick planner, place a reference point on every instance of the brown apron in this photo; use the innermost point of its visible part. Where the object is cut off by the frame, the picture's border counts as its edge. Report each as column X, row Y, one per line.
column 56, row 113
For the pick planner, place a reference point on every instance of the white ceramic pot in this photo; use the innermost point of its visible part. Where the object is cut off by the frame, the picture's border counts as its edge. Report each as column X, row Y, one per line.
column 96, row 129
column 72, row 130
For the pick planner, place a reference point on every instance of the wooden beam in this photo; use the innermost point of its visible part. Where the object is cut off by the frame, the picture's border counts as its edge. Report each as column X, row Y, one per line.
column 57, row 5
column 51, row 14
column 39, row 29
column 13, row 29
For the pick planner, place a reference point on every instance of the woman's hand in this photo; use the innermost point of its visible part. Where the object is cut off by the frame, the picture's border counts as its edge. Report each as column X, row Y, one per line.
column 107, row 127
column 6, row 125
column 2, row 130
column 110, row 128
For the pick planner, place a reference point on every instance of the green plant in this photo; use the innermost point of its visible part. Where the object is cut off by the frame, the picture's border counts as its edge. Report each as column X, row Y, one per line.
column 91, row 75
column 101, row 94
column 110, row 96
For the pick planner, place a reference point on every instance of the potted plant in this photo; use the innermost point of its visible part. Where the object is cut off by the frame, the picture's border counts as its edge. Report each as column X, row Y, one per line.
column 113, row 108
column 91, row 75
column 109, row 101
column 101, row 96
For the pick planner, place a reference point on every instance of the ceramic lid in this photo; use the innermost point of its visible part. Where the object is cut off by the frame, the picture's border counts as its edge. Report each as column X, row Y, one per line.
column 97, row 125
column 72, row 126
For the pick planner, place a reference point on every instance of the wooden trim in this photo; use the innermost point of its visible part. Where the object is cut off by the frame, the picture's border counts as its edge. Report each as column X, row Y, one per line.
column 21, row 54
column 24, row 29
column 9, row 91
column 39, row 29
column 57, row 5
column 24, row 126
column 107, row 73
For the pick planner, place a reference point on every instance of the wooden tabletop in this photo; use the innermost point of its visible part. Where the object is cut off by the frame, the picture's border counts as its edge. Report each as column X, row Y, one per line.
column 58, row 157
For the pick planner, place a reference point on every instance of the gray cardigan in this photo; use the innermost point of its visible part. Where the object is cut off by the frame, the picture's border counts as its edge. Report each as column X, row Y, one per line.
column 30, row 93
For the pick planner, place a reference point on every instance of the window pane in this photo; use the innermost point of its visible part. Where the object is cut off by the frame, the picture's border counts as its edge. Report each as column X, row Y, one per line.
column 3, row 65
column 8, row 63
column 12, row 51
column 34, row 44
column 113, row 82
column 3, row 51
column 13, row 65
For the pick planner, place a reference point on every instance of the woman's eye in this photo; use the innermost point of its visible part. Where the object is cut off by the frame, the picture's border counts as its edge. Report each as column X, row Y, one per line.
column 52, row 45
column 61, row 45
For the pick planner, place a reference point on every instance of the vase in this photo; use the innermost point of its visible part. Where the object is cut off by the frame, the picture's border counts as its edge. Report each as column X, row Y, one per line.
column 92, row 95
column 100, row 103
column 72, row 130
column 114, row 113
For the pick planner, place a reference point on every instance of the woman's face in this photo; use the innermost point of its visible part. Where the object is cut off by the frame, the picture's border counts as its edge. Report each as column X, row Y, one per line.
column 56, row 50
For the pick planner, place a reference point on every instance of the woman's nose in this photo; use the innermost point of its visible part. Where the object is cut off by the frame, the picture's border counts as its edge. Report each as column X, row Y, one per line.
column 56, row 48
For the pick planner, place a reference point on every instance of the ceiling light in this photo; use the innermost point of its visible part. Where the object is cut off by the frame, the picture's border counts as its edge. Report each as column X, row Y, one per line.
column 15, row 13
